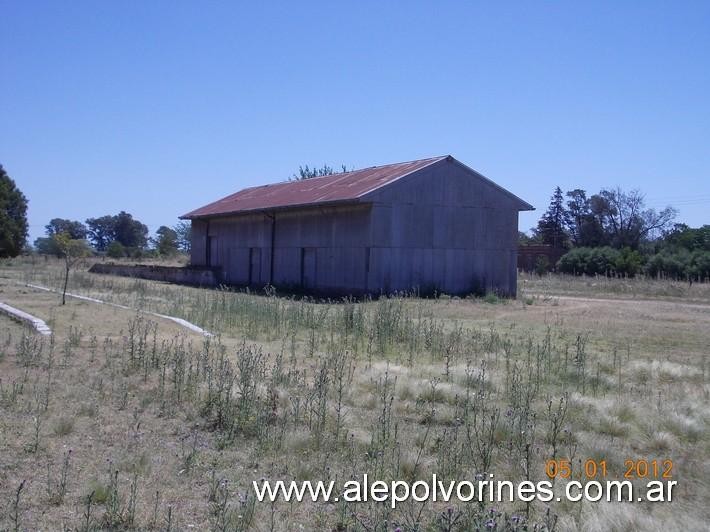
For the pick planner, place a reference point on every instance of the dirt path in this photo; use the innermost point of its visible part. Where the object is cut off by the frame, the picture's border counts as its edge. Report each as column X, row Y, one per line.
column 581, row 299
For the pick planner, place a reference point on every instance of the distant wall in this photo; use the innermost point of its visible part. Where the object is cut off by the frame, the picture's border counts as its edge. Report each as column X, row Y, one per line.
column 198, row 276
column 528, row 256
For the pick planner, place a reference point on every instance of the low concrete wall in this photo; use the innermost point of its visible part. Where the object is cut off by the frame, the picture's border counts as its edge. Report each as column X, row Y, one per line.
column 20, row 315
column 198, row 276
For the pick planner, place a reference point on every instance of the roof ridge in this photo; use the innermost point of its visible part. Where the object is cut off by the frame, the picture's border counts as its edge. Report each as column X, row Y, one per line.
column 351, row 171
column 353, row 186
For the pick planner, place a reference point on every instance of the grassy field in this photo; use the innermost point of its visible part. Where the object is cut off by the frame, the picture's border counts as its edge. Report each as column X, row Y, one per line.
column 124, row 420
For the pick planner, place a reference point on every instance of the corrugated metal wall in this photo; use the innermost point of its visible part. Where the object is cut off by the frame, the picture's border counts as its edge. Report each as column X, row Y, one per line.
column 441, row 228
column 323, row 248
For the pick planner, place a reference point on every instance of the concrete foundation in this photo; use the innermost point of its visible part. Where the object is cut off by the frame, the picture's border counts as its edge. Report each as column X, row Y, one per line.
column 195, row 276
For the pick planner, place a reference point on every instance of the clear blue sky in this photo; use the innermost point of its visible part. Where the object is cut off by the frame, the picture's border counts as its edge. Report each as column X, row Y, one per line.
column 160, row 107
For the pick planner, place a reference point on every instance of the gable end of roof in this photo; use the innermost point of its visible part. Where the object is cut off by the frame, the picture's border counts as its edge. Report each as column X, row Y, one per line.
column 522, row 204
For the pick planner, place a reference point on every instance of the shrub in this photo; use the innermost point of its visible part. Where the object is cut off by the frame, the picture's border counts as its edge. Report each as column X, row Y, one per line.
column 492, row 298
column 628, row 262
column 542, row 265
column 589, row 261
column 116, row 250
column 701, row 265
column 141, row 253
column 680, row 264
column 601, row 261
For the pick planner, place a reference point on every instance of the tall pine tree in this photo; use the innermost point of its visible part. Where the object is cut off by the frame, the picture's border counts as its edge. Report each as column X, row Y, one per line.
column 551, row 227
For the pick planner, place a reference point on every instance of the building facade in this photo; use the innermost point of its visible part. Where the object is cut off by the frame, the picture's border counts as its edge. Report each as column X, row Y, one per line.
column 428, row 225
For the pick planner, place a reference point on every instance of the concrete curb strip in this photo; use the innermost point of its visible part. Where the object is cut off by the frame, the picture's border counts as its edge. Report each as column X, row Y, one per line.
column 179, row 321
column 39, row 325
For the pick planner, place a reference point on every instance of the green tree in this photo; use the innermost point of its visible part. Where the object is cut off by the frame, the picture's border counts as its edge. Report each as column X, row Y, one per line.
column 72, row 250
column 183, row 230
column 305, row 172
column 122, row 228
column 57, row 226
column 45, row 245
column 551, row 227
column 115, row 250
column 101, row 231
column 166, row 241
column 683, row 236
column 76, row 230
column 625, row 220
column 13, row 217
column 581, row 224
column 130, row 232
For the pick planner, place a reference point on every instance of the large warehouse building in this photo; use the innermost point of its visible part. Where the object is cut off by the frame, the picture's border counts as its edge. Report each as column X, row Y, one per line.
column 432, row 224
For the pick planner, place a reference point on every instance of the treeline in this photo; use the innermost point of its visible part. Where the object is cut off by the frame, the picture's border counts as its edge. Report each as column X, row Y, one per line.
column 117, row 236
column 613, row 233
column 669, row 262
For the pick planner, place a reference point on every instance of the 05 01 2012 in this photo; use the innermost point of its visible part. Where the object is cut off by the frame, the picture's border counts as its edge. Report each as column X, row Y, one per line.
column 590, row 468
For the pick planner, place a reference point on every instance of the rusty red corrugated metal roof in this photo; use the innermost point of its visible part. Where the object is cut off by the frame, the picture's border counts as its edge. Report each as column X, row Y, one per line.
column 336, row 188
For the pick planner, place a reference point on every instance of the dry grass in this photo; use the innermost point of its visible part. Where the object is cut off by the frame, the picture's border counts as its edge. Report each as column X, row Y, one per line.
column 640, row 287
column 168, row 430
